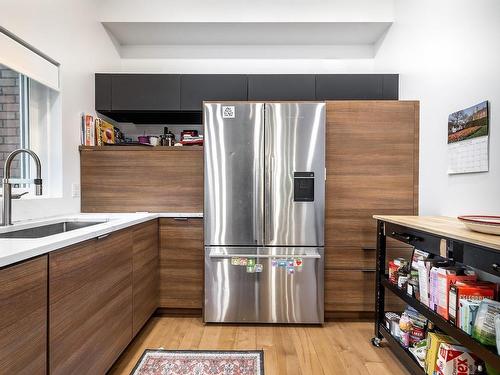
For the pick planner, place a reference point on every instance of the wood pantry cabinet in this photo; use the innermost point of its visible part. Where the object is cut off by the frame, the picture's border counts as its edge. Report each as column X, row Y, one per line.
column 92, row 290
column 372, row 168
column 23, row 317
column 181, row 263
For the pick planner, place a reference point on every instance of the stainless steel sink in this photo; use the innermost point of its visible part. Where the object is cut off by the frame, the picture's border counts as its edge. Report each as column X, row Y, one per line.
column 49, row 229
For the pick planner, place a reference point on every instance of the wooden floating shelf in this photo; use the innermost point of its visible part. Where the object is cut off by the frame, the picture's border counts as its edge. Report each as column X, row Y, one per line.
column 141, row 148
column 485, row 353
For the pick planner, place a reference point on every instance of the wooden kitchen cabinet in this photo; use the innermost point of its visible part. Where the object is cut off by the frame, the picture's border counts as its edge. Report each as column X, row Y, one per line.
column 90, row 304
column 181, row 263
column 357, row 258
column 23, row 317
column 372, row 168
column 353, row 291
column 145, row 273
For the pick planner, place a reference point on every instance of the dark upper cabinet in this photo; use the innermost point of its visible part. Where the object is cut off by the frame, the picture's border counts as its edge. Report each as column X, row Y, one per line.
column 195, row 88
column 103, row 92
column 391, row 87
column 145, row 92
column 281, row 87
column 349, row 86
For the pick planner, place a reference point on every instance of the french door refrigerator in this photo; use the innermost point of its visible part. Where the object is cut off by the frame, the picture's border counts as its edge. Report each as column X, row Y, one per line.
column 264, row 212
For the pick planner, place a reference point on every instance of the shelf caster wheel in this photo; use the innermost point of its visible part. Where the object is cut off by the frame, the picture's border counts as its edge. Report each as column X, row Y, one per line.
column 376, row 342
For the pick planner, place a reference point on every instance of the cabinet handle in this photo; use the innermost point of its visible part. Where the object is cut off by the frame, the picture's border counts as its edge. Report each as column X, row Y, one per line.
column 405, row 237
column 181, row 218
column 369, row 270
column 495, row 267
column 368, row 248
column 103, row 236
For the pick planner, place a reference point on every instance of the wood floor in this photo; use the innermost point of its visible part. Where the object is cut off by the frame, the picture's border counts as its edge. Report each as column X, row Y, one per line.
column 336, row 348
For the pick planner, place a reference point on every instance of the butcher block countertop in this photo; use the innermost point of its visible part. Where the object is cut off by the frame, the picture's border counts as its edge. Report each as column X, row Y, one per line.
column 449, row 227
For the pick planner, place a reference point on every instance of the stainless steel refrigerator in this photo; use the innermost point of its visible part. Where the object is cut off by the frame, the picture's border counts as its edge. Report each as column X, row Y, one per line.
column 264, row 212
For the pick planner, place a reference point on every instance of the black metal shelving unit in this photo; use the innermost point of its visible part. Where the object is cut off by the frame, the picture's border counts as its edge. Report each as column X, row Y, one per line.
column 479, row 257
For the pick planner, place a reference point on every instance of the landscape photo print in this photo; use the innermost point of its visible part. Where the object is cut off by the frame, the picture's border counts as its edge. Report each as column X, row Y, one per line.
column 468, row 123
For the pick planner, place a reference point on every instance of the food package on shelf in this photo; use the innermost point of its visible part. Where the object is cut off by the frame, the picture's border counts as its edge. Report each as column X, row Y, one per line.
column 484, row 325
column 468, row 311
column 427, row 283
column 418, row 256
column 419, row 351
column 434, row 340
column 447, row 276
column 392, row 324
column 466, row 290
column 412, row 327
column 394, row 266
column 455, row 359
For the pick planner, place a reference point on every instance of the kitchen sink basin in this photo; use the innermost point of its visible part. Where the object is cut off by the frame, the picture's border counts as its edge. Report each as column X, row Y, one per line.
column 49, row 229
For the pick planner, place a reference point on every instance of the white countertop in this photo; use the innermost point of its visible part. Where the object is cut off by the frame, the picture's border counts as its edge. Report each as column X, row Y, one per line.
column 13, row 250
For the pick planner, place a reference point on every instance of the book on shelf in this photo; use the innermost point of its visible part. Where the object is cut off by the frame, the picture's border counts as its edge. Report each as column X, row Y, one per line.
column 88, row 130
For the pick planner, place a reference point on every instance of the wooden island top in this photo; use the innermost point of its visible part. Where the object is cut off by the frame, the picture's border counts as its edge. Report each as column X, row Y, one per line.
column 445, row 226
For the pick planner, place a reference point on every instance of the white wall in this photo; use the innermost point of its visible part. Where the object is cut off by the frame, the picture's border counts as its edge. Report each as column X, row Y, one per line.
column 448, row 56
column 69, row 32
column 431, row 45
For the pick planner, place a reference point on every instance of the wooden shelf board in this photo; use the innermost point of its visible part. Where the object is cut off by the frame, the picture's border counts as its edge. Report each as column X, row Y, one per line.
column 140, row 148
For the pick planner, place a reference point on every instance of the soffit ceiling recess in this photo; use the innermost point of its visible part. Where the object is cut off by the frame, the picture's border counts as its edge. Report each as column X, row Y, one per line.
column 246, row 39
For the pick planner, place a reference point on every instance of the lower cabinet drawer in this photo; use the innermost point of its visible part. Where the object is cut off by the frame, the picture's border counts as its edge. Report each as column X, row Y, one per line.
column 354, row 291
column 352, row 258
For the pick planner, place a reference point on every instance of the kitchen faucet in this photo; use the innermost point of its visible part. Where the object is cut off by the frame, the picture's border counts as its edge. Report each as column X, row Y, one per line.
column 8, row 182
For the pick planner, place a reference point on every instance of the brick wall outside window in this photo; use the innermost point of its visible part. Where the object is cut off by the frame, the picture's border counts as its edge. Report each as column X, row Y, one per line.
column 10, row 125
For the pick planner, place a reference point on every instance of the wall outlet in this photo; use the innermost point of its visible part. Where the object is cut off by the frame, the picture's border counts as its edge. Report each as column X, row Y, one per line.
column 75, row 190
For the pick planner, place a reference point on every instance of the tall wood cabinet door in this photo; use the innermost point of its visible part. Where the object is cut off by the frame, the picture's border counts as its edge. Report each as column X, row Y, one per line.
column 181, row 263
column 23, row 318
column 372, row 167
column 113, row 290
column 90, row 304
column 145, row 273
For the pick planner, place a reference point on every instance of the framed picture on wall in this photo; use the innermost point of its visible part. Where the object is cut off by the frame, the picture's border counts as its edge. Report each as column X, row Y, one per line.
column 468, row 140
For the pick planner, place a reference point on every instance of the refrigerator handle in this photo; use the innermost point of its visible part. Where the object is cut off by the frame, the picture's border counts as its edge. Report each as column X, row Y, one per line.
column 259, row 180
column 269, row 227
column 303, row 256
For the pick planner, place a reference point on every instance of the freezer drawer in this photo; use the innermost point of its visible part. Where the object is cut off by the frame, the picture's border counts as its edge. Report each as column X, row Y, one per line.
column 288, row 288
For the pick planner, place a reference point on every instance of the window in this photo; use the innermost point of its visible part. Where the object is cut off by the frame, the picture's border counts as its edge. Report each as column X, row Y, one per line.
column 25, row 108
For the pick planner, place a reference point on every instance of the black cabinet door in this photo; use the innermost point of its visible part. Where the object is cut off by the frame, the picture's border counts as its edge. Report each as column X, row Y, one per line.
column 145, row 92
column 349, row 86
column 391, row 86
column 195, row 88
column 103, row 92
column 281, row 87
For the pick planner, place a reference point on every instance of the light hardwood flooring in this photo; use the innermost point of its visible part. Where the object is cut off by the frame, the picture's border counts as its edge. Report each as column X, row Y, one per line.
column 336, row 348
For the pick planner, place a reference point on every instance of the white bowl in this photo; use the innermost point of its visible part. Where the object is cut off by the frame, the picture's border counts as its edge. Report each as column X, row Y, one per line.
column 483, row 224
